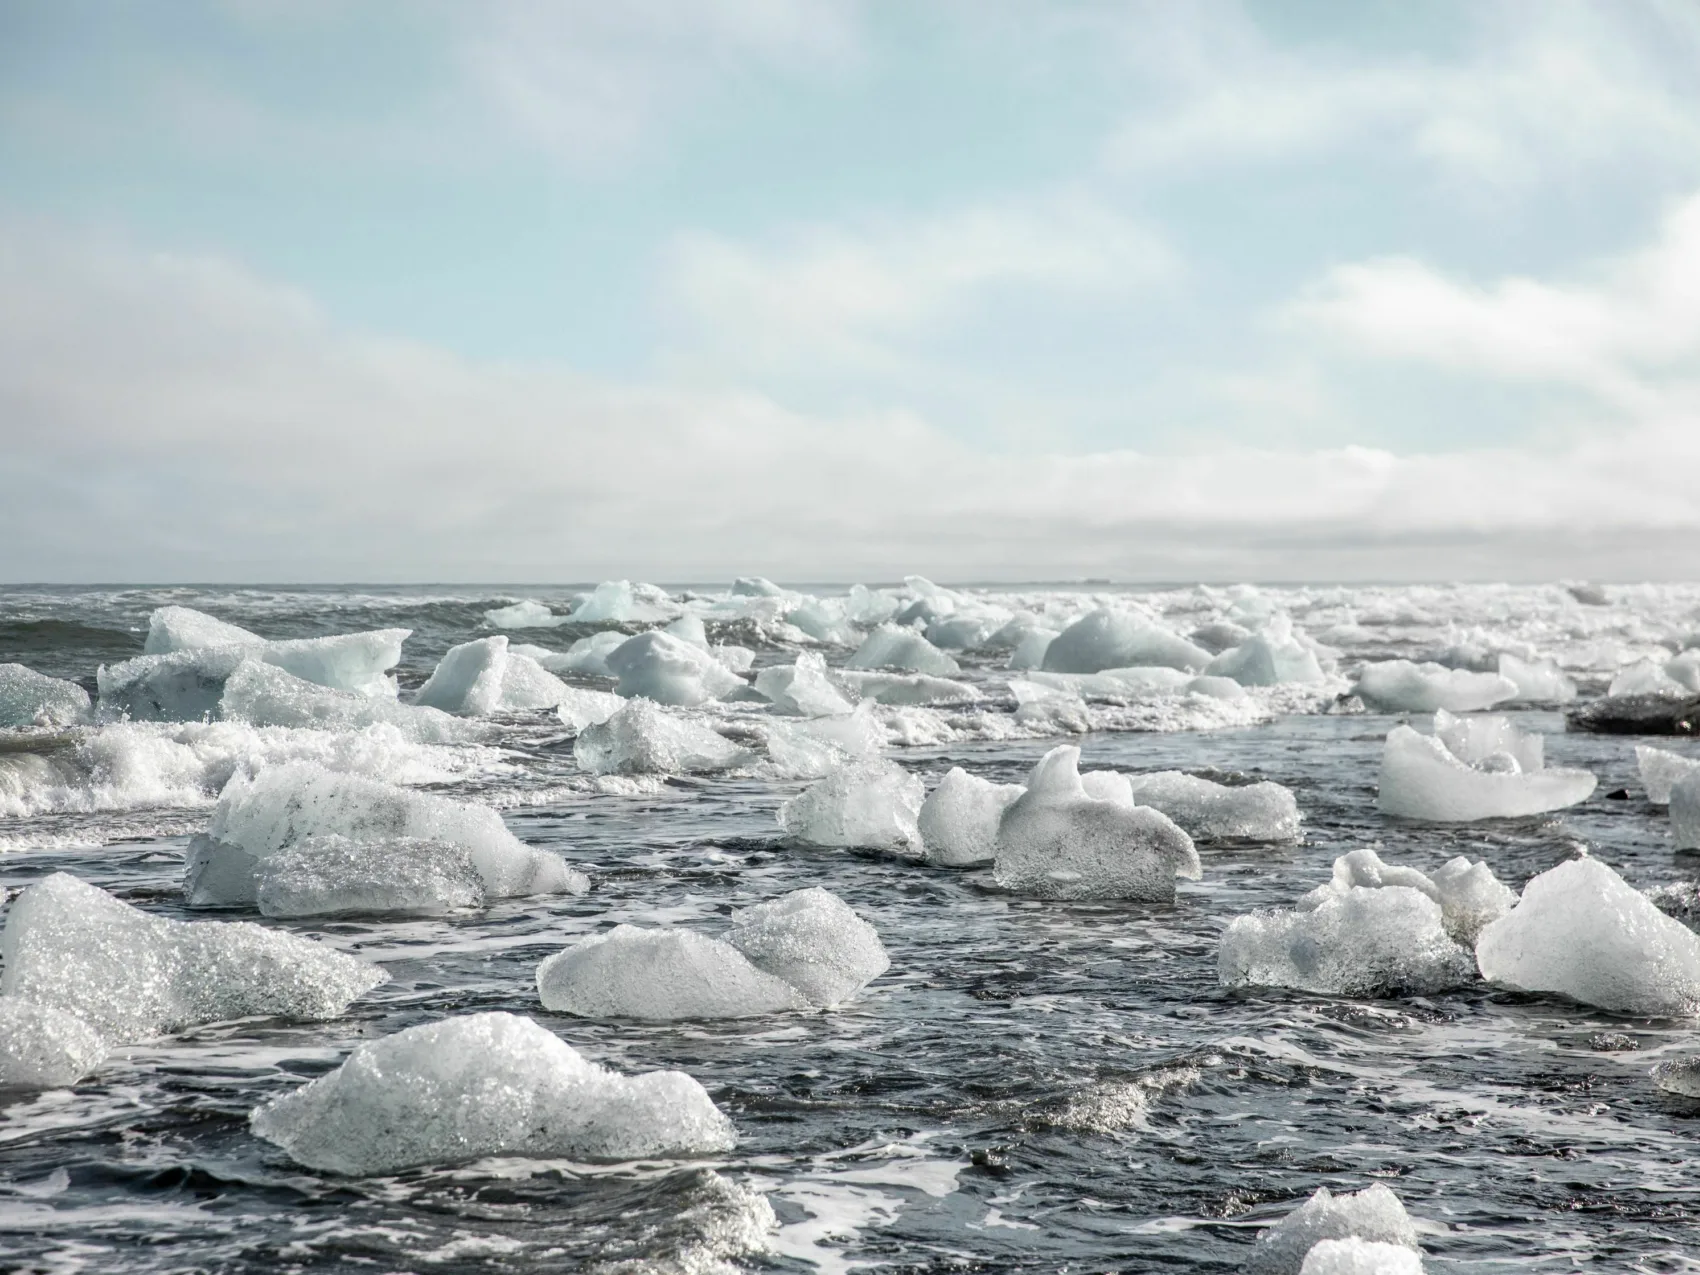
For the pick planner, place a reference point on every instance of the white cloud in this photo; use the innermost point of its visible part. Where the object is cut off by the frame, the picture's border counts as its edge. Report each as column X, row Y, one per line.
column 171, row 418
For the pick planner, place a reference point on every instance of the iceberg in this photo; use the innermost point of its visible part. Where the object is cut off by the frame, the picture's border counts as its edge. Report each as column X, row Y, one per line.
column 802, row 688
column 660, row 975
column 669, row 670
column 1109, row 639
column 28, row 698
column 959, row 819
column 890, row 647
column 1374, row 1214
column 483, row 1085
column 330, row 875
column 1217, row 812
column 1353, row 1256
column 524, row 614
column 812, row 940
column 72, row 947
column 1056, row 841
column 1537, row 681
column 1219, row 636
column 1660, row 769
column 1399, row 686
column 644, row 739
column 45, row 1048
column 871, row 804
column 1582, row 932
column 263, row 695
column 1423, row 778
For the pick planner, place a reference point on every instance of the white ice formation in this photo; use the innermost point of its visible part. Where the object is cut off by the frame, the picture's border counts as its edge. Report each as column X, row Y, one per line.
column 814, row 941
column 907, row 688
column 1056, row 841
column 1399, row 686
column 347, row 661
column 1537, row 681
column 1473, row 768
column 484, row 676
column 264, row 695
column 528, row 613
column 1108, row 639
column 329, row 875
column 45, row 1048
column 643, row 738
column 891, row 647
column 1210, row 811
column 483, row 1085
column 588, row 656
column 28, row 698
column 1661, row 769
column 1353, row 1256
column 1685, row 812
column 1374, row 1214
column 871, row 804
column 1582, row 932
column 73, row 947
column 622, row 602
column 1269, row 658
column 802, row 688
column 659, row 975
column 670, row 670
column 959, row 819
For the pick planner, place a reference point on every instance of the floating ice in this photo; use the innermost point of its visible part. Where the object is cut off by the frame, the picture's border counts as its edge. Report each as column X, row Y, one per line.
column 1660, row 768
column 756, row 587
column 1399, row 686
column 28, row 698
column 587, row 656
column 1667, row 679
column 669, row 670
column 629, row 972
column 524, row 614
column 1581, row 931
column 347, row 661
column 1537, row 681
column 1679, row 1076
column 621, row 602
column 802, row 688
column 811, row 747
column 1685, row 812
column 1269, row 658
column 481, row 1085
column 963, row 632
column 331, row 874
column 182, row 686
column 1217, row 812
column 1374, row 1214
column 1058, row 842
column 814, row 941
column 1353, row 1256
column 824, row 621
column 890, row 647
column 1219, row 636
column 468, row 679
column 1487, row 740
column 1469, row 895
column 1422, row 778
column 45, row 1048
column 1029, row 650
column 1109, row 639
column 871, row 804
column 262, row 695
column 645, row 739
column 959, row 819
column 184, row 629
column 580, row 708
column 284, row 805
column 907, row 688
column 73, row 947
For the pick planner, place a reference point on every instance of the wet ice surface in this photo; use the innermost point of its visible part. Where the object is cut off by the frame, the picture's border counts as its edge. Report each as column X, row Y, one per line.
column 1039, row 1086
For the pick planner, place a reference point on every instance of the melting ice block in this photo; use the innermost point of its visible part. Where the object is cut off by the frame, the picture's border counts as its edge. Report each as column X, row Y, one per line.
column 802, row 688
column 182, row 686
column 481, row 1085
column 184, row 629
column 630, row 972
column 622, row 602
column 484, row 676
column 264, row 695
column 1056, row 841
column 284, row 805
column 1537, row 681
column 1423, row 778
column 328, row 875
column 959, row 819
column 28, row 698
column 908, row 688
column 70, row 946
column 669, row 670
column 45, row 1048
column 1269, row 658
column 1399, row 686
column 588, row 656
column 1030, row 648
column 1374, row 1214
column 1581, row 931
column 871, row 803
column 1109, row 639
column 644, row 739
column 1660, row 769
column 891, row 647
column 1218, row 812
column 527, row 613
column 824, row 620
column 813, row 940
column 1685, row 812
column 1354, row 1256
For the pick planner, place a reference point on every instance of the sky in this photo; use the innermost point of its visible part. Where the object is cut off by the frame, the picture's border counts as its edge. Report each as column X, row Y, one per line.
column 293, row 290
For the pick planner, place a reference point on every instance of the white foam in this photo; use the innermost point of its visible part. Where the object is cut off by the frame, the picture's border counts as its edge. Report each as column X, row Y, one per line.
column 45, row 1048
column 28, row 698
column 643, row 738
column 1373, row 1214
column 870, row 804
column 959, row 820
column 1421, row 778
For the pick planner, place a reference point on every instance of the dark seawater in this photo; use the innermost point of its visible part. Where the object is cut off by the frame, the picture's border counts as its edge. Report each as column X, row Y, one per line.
column 1032, row 1087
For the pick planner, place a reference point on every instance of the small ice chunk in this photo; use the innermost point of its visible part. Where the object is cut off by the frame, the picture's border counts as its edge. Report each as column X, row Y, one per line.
column 1353, row 1256
column 1217, row 812
column 527, row 613
column 580, row 708
column 468, row 679
column 1219, row 636
column 961, row 632
column 1537, row 681
column 907, row 689
column 802, row 688
column 1269, row 658
column 870, row 804
column 660, row 975
column 587, row 656
column 1110, row 639
column 1476, row 739
column 1647, row 677
column 1374, row 1214
column 1469, row 895
column 756, row 587
column 689, row 628
column 1660, row 769
column 1399, row 686
column 959, row 819
column 814, row 941
column 28, row 698
column 1685, row 812
column 45, row 1048
column 1045, row 708
column 179, row 686
column 130, row 975
column 185, row 629
column 1030, row 648
column 282, row 805
column 526, row 684
column 1423, row 779
column 1057, row 841
column 1216, row 687
column 482, row 1085
column 622, row 602
column 643, row 738
column 331, row 874
column 823, row 619
column 669, row 670
column 1581, row 931
column 1679, row 1076
column 890, row 647
column 263, row 695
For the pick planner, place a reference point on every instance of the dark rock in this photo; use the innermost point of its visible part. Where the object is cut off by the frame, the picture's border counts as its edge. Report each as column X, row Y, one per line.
column 1637, row 715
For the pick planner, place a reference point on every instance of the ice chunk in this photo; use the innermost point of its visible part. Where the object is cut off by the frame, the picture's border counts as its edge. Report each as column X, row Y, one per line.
column 1213, row 687
column 1469, row 895
column 959, row 819
column 28, row 698
column 45, row 1048
column 262, row 695
column 1268, row 659
column 1581, row 931
column 1423, row 779
column 1685, row 812
column 1478, row 739
column 814, row 941
column 824, row 621
column 527, row 613
column 1056, row 841
column 468, row 679
column 629, row 972
column 756, row 587
column 689, row 628
column 1537, row 681
column 1045, row 708
column 621, row 602
column 872, row 804
column 1353, row 1256
column 1029, row 650
column 331, row 874
column 889, row 647
column 1399, row 686
column 73, row 947
column 669, row 670
column 867, row 606
column 1373, row 1214
column 962, row 632
column 1109, row 639
column 1217, row 812
column 907, row 688
column 526, row 684
column 282, row 805
column 1219, row 636
column 182, row 686
column 802, row 688
column 815, row 746
column 645, row 739
column 580, row 708
column 481, row 1085
column 1647, row 677
column 1660, row 769
column 184, row 629
column 1679, row 1076
column 346, row 661
column 587, row 656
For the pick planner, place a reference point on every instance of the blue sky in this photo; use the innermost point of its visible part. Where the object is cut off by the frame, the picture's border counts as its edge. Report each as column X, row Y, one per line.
column 986, row 289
